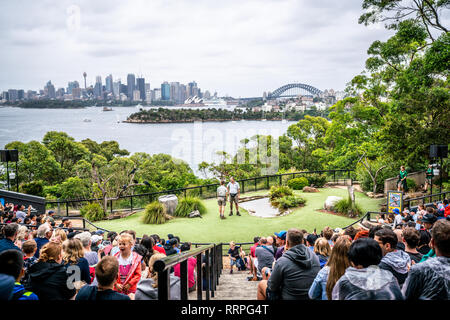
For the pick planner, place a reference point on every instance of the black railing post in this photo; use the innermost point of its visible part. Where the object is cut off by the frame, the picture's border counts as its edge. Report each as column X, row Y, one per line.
column 255, row 184
column 67, row 208
column 184, row 280
column 185, row 193
column 243, row 186
column 163, row 285
column 111, row 204
column 213, row 272
column 281, row 180
column 131, row 203
column 268, row 184
column 201, row 191
column 207, row 276
column 199, row 277
column 84, row 224
column 334, row 176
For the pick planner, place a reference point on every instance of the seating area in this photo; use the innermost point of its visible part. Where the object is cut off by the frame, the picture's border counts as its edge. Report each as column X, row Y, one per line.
column 42, row 257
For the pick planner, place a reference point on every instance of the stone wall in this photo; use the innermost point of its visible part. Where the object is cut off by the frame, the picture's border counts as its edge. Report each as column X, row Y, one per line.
column 391, row 183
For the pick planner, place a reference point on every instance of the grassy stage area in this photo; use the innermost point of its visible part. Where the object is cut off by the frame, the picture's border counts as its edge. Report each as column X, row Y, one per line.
column 242, row 229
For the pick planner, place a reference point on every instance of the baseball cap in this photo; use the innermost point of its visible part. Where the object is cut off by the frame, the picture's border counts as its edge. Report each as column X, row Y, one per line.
column 99, row 232
column 396, row 211
column 281, row 235
column 95, row 238
column 51, row 211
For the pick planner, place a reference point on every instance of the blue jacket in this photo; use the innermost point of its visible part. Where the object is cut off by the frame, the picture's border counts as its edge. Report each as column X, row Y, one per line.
column 319, row 286
column 27, row 295
column 6, row 244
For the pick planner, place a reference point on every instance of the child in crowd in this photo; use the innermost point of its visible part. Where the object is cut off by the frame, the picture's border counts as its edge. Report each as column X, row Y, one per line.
column 322, row 249
column 129, row 265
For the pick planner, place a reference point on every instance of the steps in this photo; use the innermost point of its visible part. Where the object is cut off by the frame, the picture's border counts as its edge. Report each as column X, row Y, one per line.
column 235, row 286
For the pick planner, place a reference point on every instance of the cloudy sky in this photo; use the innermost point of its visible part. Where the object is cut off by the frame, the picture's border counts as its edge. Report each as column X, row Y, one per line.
column 236, row 47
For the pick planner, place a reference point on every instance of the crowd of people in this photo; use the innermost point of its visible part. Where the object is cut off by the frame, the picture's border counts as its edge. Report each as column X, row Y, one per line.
column 408, row 258
column 49, row 261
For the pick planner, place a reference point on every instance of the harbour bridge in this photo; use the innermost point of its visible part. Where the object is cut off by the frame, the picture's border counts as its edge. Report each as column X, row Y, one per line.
column 290, row 90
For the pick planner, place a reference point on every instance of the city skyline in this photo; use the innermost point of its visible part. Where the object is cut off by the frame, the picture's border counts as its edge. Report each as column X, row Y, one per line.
column 235, row 48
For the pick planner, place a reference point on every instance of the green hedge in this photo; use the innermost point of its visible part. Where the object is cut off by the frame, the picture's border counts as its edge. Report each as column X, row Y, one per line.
column 298, row 183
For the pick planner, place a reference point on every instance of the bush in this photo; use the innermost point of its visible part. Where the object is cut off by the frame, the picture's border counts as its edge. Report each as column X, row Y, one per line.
column 93, row 212
column 298, row 183
column 279, row 192
column 154, row 213
column 317, row 180
column 35, row 188
column 290, row 202
column 187, row 205
column 345, row 205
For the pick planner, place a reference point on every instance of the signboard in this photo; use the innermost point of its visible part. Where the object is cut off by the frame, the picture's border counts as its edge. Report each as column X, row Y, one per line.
column 394, row 200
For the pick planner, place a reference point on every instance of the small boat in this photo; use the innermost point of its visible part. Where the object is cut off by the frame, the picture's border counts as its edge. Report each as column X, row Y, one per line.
column 107, row 109
column 87, row 120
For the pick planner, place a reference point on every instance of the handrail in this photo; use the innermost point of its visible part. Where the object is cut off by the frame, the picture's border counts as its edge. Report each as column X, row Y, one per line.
column 430, row 196
column 212, row 268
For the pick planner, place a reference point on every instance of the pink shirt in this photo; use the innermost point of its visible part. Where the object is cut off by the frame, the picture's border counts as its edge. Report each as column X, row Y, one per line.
column 192, row 262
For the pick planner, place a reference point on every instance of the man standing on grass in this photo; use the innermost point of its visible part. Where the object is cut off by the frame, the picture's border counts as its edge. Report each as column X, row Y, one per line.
column 222, row 198
column 234, row 192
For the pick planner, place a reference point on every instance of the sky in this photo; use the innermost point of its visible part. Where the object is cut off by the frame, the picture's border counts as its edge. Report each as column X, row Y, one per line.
column 239, row 48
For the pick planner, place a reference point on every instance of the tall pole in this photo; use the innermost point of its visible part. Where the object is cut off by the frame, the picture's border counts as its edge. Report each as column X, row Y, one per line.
column 440, row 178
column 7, row 173
column 17, row 179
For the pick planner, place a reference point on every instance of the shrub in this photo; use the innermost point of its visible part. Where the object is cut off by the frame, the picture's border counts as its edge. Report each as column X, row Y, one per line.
column 279, row 192
column 93, row 212
column 187, row 205
column 290, row 202
column 298, row 183
column 154, row 213
column 345, row 205
column 317, row 180
column 35, row 188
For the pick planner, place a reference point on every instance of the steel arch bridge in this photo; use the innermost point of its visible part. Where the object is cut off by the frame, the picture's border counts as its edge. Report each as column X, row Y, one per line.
column 278, row 92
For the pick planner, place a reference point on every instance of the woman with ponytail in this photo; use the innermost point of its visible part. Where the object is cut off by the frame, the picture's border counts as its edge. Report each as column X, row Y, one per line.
column 49, row 278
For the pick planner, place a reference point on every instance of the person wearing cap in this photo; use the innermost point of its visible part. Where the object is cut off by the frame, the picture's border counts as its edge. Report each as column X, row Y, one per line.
column 95, row 242
column 398, row 218
column 281, row 242
column 310, row 241
column 50, row 218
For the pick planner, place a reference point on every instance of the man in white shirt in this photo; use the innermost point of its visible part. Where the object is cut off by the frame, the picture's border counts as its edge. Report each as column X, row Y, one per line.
column 222, row 198
column 234, row 192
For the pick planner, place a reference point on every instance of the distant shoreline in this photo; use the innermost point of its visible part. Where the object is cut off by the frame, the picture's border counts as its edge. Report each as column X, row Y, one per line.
column 194, row 120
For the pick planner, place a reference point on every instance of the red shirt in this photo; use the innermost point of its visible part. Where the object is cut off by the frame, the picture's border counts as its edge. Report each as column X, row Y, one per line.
column 159, row 249
column 252, row 250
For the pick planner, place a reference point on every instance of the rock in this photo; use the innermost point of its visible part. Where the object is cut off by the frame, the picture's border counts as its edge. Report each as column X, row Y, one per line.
column 369, row 194
column 310, row 189
column 331, row 202
column 195, row 214
column 170, row 202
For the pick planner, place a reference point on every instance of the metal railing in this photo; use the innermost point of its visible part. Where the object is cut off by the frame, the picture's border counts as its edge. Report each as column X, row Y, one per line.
column 208, row 272
column 139, row 201
column 422, row 200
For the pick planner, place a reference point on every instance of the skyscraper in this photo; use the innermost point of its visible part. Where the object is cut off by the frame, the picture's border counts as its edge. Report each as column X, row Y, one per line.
column 131, row 85
column 165, row 91
column 116, row 88
column 109, row 83
column 175, row 91
column 50, row 90
column 140, row 84
column 98, row 92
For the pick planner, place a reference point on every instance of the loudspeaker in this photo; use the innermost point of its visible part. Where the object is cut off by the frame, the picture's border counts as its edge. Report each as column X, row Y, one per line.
column 9, row 155
column 438, row 151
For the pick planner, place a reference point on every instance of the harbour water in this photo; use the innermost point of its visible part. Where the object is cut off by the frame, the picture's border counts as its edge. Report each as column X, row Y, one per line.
column 191, row 142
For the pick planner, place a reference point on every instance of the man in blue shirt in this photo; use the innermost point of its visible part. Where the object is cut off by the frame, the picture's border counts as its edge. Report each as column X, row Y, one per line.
column 11, row 263
column 10, row 231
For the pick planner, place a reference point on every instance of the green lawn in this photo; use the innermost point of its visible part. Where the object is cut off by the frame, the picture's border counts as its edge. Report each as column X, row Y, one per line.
column 242, row 229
